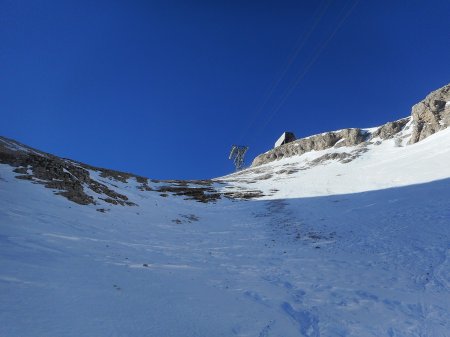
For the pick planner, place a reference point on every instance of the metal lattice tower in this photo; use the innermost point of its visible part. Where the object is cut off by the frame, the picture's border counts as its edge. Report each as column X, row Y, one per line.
column 237, row 153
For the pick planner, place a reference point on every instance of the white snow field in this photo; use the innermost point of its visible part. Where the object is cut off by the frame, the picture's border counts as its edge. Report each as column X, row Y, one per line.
column 356, row 249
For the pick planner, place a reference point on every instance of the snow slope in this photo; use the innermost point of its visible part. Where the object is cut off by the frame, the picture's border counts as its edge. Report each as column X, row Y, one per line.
column 354, row 249
column 382, row 165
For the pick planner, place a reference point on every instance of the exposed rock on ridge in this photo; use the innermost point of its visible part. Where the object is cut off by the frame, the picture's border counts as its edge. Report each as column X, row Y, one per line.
column 69, row 178
column 345, row 137
column 89, row 185
column 431, row 115
column 390, row 129
column 428, row 117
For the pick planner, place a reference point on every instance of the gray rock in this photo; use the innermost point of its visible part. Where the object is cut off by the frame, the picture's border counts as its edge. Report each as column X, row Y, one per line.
column 390, row 129
column 431, row 115
column 345, row 137
column 428, row 117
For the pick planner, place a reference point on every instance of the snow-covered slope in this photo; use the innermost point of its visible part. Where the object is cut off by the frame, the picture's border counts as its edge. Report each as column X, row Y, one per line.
column 366, row 167
column 344, row 241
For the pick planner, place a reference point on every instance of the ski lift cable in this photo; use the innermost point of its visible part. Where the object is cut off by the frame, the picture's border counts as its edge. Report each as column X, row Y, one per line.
column 300, row 43
column 239, row 161
column 308, row 66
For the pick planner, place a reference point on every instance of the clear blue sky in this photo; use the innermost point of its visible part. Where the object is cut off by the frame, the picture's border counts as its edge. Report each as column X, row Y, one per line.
column 164, row 88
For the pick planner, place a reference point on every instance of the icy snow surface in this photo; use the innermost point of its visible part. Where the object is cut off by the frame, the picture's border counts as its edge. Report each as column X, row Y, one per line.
column 355, row 249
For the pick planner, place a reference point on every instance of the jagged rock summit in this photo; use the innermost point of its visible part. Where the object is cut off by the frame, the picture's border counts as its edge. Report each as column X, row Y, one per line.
column 429, row 116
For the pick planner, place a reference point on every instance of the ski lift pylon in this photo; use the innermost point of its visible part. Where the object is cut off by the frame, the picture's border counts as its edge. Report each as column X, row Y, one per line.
column 237, row 154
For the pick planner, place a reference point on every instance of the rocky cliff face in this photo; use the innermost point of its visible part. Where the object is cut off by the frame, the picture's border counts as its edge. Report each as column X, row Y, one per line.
column 431, row 115
column 428, row 117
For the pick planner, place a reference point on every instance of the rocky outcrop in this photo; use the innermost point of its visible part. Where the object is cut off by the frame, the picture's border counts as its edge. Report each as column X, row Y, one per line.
column 68, row 178
column 431, row 115
column 428, row 117
column 74, row 180
column 345, row 137
column 389, row 130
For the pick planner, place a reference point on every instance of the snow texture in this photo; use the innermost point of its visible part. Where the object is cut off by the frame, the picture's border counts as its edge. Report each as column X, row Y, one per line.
column 335, row 249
